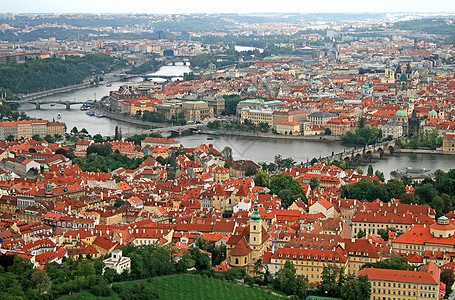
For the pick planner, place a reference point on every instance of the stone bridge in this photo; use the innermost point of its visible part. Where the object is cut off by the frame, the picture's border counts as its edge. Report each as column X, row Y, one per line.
column 365, row 153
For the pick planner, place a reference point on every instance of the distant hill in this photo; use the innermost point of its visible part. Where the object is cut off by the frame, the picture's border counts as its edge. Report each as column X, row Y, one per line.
column 432, row 26
column 50, row 73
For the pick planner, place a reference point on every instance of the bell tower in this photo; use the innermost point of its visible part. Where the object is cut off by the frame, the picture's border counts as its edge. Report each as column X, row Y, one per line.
column 255, row 231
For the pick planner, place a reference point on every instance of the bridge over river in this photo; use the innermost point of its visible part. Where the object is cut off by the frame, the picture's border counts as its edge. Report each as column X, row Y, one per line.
column 357, row 155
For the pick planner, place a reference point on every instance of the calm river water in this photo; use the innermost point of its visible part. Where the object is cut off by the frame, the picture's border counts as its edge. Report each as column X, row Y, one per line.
column 257, row 149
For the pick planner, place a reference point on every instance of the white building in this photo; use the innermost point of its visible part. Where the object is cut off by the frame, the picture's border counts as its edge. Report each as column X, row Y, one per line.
column 118, row 262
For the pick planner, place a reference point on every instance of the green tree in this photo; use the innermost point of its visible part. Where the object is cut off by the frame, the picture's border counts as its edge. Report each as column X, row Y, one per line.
column 365, row 189
column 201, row 260
column 314, row 182
column 226, row 155
column 41, row 281
column 85, row 268
column 36, row 137
column 426, row 192
column 356, row 289
column 74, row 130
column 384, row 233
column 361, row 234
column 327, row 131
column 408, row 198
column 100, row 149
column 285, row 278
column 262, row 179
column 287, row 188
column 117, row 133
column 395, row 188
column 250, row 170
column 370, row 171
column 438, row 204
column 359, row 170
column 447, row 276
column 380, row 175
column 49, row 138
column 395, row 262
column 332, row 280
column 98, row 138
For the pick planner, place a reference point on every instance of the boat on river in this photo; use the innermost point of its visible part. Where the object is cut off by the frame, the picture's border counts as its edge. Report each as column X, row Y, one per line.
column 85, row 106
column 90, row 113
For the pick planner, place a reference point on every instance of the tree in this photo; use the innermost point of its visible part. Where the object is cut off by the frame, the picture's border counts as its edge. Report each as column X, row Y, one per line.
column 41, row 281
column 201, row 260
column 438, row 204
column 395, row 188
column 395, row 262
column 408, row 198
column 332, row 280
column 83, row 130
column 98, row 138
column 365, row 189
column 285, row 278
column 426, row 192
column 380, row 175
column 327, row 131
column 356, row 289
column 117, row 133
column 64, row 152
column 448, row 277
column 74, row 130
column 359, row 170
column 226, row 155
column 49, row 138
column 85, row 268
column 370, row 170
column 36, row 137
column 361, row 234
column 262, row 179
column 287, row 188
column 100, row 149
column 384, row 233
column 32, row 150
column 250, row 170
column 314, row 182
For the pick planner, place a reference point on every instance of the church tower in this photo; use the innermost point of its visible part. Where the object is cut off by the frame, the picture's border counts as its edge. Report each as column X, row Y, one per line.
column 256, row 232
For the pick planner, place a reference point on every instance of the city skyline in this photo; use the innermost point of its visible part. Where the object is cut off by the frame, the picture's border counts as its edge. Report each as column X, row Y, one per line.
column 235, row 6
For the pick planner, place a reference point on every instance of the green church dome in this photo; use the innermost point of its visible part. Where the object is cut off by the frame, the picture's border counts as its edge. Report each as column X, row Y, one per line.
column 401, row 113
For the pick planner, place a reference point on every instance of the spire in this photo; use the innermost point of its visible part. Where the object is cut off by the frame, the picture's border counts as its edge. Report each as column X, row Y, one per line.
column 255, row 216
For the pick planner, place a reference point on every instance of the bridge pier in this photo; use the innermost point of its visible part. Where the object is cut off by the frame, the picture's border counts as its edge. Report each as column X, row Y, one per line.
column 37, row 105
column 68, row 106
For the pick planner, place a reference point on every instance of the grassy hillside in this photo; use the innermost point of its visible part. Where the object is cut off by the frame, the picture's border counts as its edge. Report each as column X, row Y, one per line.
column 193, row 287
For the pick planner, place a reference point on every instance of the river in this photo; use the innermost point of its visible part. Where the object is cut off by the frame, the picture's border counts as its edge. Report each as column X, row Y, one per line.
column 256, row 149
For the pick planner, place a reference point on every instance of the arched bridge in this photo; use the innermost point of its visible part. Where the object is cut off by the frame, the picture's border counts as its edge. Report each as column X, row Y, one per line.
column 364, row 153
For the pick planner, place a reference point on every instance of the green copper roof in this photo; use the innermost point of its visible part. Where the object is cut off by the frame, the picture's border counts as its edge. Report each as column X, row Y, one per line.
column 255, row 216
column 401, row 113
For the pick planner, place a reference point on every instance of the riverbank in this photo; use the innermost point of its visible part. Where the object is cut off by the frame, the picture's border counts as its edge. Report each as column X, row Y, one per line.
column 325, row 138
column 418, row 151
column 130, row 120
